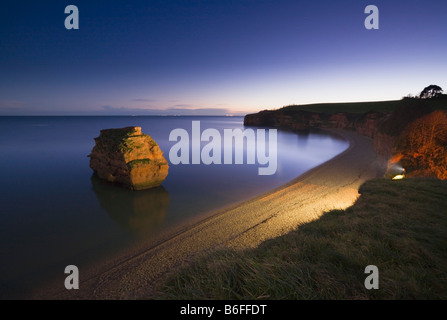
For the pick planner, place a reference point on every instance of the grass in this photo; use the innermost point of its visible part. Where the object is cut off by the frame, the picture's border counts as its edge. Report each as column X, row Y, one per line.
column 399, row 226
column 363, row 107
column 139, row 163
column 112, row 140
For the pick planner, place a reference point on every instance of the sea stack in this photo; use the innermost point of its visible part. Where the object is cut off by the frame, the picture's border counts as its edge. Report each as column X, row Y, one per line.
column 129, row 158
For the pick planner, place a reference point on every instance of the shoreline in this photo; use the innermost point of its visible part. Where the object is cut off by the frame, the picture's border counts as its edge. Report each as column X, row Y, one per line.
column 331, row 185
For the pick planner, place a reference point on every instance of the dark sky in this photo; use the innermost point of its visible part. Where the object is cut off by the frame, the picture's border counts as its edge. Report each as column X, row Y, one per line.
column 214, row 57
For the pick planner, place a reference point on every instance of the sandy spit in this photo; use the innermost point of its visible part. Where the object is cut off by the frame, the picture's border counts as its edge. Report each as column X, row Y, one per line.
column 332, row 185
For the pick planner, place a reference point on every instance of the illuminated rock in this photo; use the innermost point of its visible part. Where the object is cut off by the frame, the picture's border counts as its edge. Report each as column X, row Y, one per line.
column 128, row 157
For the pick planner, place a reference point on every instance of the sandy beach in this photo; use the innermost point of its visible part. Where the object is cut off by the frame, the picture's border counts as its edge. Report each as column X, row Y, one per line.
column 332, row 185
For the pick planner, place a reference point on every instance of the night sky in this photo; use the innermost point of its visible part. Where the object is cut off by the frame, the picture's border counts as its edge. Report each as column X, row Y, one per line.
column 214, row 57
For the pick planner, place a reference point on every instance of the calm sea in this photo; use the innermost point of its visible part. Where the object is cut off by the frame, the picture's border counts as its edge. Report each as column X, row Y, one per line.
column 54, row 213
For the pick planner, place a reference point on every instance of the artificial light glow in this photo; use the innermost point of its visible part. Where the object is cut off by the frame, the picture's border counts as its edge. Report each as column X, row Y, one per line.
column 400, row 176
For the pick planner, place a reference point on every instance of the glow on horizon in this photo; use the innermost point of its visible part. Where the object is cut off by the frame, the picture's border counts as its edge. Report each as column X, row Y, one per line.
column 224, row 58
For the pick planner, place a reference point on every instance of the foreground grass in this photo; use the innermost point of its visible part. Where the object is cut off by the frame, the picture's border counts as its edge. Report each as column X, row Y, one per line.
column 363, row 107
column 399, row 226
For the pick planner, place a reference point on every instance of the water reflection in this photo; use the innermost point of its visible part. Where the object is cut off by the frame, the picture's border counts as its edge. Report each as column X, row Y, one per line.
column 303, row 138
column 138, row 212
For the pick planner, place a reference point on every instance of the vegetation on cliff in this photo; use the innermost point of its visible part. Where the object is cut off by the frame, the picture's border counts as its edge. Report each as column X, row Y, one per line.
column 364, row 107
column 416, row 134
column 389, row 123
column 422, row 146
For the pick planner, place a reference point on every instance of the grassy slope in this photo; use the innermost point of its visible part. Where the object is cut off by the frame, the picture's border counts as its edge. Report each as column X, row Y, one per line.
column 362, row 107
column 399, row 226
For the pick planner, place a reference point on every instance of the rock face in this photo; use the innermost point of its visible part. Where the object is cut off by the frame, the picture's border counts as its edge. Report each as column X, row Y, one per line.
column 366, row 124
column 128, row 157
column 390, row 132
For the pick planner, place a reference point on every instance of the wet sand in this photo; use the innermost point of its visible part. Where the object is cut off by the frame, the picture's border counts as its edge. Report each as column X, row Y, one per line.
column 332, row 185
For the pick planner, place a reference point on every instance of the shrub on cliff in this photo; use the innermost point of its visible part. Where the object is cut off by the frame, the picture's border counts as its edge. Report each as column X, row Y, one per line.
column 405, row 113
column 430, row 92
column 423, row 146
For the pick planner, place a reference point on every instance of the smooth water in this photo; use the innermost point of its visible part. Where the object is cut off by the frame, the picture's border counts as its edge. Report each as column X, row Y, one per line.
column 54, row 213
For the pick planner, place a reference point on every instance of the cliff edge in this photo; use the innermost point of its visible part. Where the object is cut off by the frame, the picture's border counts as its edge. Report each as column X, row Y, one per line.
column 412, row 136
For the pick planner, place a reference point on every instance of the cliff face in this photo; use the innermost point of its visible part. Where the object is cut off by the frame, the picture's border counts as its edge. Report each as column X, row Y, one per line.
column 128, row 157
column 383, row 144
column 366, row 124
column 413, row 136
